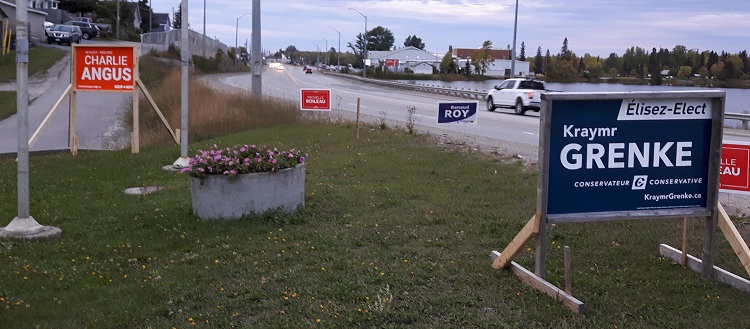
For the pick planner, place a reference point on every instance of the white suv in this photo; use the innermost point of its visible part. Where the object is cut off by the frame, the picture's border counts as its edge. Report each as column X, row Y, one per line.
column 519, row 94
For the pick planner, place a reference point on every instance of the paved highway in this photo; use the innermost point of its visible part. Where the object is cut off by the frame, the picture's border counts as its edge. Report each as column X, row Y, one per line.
column 517, row 134
column 502, row 129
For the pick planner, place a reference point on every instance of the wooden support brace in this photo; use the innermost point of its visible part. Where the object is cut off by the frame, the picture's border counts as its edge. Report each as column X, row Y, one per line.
column 44, row 123
column 735, row 239
column 143, row 89
column 529, row 231
column 530, row 279
column 696, row 265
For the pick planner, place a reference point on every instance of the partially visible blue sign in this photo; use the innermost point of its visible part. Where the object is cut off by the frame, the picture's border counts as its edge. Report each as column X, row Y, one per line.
column 456, row 112
column 628, row 154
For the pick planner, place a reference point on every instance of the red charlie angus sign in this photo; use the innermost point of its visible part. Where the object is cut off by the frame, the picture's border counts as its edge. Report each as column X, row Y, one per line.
column 104, row 67
column 315, row 99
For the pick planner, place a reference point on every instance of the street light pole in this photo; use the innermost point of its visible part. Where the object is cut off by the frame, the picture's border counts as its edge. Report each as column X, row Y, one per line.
column 338, row 51
column 326, row 50
column 364, row 51
column 513, row 51
column 204, row 28
column 237, row 30
column 317, row 59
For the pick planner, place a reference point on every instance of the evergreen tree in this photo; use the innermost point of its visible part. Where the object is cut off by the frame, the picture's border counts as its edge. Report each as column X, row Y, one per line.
column 564, row 51
column 177, row 21
column 654, row 69
column 523, row 52
column 414, row 41
column 539, row 61
column 145, row 11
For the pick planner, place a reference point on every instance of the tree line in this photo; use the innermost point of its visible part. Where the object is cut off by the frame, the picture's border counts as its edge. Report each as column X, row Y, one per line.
column 637, row 62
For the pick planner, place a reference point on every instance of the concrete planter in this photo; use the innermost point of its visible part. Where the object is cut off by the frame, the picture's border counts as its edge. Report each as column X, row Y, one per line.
column 220, row 197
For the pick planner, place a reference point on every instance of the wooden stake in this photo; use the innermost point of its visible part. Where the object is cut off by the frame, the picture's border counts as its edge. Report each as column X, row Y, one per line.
column 684, row 242
column 357, row 117
column 72, row 138
column 135, row 142
column 567, row 261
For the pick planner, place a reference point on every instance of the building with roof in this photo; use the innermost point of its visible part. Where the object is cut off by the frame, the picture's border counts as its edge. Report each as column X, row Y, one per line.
column 407, row 58
column 499, row 67
column 36, row 19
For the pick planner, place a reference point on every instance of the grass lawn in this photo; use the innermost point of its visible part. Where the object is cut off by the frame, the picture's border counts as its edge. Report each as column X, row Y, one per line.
column 395, row 233
column 40, row 60
column 7, row 104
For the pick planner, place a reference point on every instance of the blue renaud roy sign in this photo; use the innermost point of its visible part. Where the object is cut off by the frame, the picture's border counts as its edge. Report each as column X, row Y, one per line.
column 457, row 112
column 630, row 152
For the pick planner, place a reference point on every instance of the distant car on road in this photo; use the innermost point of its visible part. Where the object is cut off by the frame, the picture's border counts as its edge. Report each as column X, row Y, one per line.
column 308, row 71
column 64, row 34
column 88, row 30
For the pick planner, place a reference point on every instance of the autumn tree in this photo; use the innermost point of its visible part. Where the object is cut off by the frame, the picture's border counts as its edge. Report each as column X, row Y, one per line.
column 482, row 58
column 447, row 65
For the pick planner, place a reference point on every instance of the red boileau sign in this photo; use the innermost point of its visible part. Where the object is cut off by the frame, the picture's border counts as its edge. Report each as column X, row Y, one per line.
column 735, row 163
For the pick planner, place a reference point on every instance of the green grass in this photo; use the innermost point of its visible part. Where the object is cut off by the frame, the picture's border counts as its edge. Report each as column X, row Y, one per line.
column 395, row 233
column 40, row 60
column 7, row 104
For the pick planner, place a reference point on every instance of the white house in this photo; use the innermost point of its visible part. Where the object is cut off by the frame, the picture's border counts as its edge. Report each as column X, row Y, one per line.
column 415, row 59
column 43, row 4
column 501, row 68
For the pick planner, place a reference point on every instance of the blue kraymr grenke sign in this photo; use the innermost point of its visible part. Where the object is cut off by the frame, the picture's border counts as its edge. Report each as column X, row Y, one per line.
column 611, row 155
column 455, row 112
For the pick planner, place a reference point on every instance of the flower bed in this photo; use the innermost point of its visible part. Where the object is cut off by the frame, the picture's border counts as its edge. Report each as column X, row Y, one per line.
column 233, row 182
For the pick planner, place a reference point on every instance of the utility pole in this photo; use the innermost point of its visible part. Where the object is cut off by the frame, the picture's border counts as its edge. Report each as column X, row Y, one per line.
column 183, row 161
column 513, row 51
column 256, row 85
column 117, row 24
column 24, row 226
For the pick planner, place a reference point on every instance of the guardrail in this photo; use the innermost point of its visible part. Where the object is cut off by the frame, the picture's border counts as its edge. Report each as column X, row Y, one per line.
column 744, row 118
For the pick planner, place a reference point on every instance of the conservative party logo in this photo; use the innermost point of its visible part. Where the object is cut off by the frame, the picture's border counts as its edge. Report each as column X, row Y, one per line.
column 639, row 182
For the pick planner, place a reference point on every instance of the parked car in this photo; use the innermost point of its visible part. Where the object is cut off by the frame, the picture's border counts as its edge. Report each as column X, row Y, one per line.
column 89, row 30
column 64, row 34
column 47, row 26
column 103, row 26
column 82, row 19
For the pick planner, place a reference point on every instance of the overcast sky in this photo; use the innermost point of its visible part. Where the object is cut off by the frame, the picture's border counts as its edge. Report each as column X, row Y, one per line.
column 597, row 27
